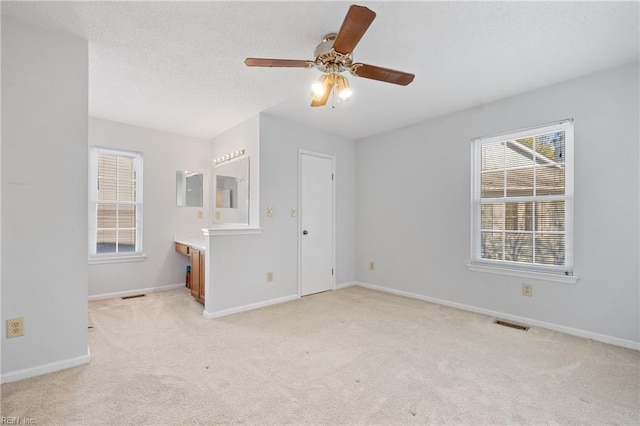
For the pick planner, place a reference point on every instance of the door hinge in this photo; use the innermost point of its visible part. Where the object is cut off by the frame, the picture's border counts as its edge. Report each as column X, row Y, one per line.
column 331, row 176
column 331, row 271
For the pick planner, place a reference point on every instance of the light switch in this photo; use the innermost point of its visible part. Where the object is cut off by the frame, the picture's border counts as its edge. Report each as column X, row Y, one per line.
column 294, row 212
column 269, row 211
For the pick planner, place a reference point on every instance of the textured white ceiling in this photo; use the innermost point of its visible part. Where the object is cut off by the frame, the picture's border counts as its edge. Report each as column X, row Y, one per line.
column 178, row 66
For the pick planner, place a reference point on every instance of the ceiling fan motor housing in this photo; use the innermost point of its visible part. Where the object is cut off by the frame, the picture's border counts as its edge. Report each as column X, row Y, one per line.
column 328, row 60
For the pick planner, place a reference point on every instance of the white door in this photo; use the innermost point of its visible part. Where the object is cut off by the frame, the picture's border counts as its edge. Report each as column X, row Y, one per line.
column 316, row 223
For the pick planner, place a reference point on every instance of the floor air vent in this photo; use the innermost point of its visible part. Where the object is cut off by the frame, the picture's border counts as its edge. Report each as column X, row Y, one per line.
column 132, row 297
column 511, row 325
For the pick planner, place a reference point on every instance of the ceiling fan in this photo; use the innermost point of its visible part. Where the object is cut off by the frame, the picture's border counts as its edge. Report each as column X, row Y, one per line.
column 333, row 56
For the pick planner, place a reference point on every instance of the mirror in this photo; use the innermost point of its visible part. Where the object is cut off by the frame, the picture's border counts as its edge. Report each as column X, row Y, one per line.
column 189, row 188
column 231, row 183
column 227, row 192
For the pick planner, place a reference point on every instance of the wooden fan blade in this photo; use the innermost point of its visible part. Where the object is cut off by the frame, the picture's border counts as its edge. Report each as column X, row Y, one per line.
column 290, row 63
column 353, row 27
column 381, row 74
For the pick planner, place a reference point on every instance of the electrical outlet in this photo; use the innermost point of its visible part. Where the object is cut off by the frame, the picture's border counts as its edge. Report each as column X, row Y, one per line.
column 15, row 327
column 200, row 214
column 527, row 290
column 269, row 277
column 217, row 215
column 269, row 211
column 372, row 266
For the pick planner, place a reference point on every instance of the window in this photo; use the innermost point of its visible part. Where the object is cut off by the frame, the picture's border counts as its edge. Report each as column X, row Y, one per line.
column 522, row 200
column 115, row 210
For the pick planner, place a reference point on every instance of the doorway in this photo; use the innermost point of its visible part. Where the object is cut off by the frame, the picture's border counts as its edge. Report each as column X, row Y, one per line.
column 316, row 222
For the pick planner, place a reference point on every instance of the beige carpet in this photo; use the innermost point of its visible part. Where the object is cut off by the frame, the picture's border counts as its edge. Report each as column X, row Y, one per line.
column 351, row 356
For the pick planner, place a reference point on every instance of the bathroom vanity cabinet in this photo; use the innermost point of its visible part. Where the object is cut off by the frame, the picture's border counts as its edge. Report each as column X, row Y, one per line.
column 196, row 276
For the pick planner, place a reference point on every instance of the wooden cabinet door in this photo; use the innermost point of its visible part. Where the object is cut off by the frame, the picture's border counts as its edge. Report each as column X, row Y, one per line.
column 201, row 296
column 196, row 267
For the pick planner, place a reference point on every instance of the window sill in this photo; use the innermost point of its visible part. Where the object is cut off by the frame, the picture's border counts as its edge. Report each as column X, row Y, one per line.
column 117, row 259
column 542, row 276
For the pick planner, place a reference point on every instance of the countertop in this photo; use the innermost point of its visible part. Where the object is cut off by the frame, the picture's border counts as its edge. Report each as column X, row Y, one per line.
column 194, row 240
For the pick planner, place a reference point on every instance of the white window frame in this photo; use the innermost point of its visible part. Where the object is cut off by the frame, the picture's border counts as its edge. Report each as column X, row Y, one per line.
column 562, row 274
column 137, row 254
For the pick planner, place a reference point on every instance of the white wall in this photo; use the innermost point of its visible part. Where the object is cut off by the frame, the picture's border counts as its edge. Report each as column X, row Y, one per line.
column 164, row 154
column 44, row 199
column 245, row 135
column 280, row 141
column 413, row 207
column 240, row 263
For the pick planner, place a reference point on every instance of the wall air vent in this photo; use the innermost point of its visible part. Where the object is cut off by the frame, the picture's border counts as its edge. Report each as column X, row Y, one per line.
column 511, row 325
column 133, row 296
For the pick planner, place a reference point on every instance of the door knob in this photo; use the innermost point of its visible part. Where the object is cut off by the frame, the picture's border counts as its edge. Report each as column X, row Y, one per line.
column 305, row 232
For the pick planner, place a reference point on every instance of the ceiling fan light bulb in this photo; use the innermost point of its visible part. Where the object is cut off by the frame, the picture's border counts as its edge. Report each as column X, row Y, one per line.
column 344, row 90
column 345, row 94
column 317, row 89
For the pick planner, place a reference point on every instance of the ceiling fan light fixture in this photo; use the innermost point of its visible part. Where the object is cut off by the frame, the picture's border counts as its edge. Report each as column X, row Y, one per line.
column 318, row 87
column 344, row 90
column 321, row 86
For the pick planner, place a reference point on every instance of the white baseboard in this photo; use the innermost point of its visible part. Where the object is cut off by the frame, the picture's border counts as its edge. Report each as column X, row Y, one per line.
column 231, row 311
column 14, row 376
column 134, row 292
column 630, row 344
column 345, row 285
